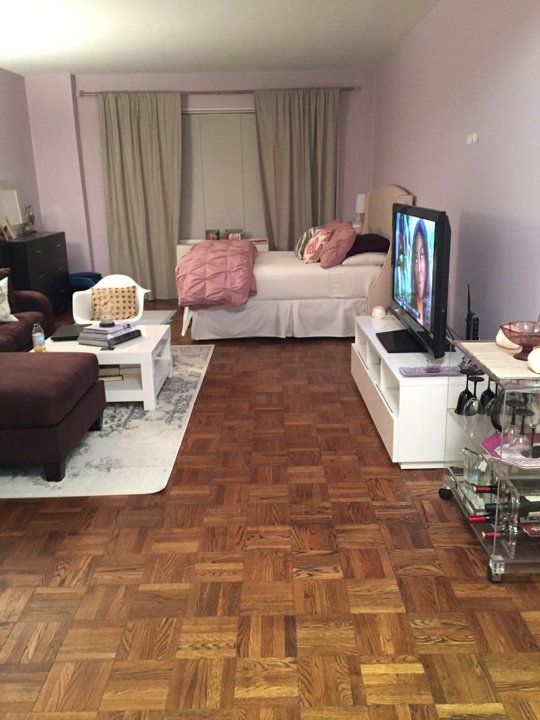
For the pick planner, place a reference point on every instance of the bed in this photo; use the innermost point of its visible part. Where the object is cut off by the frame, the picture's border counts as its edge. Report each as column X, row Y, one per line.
column 304, row 300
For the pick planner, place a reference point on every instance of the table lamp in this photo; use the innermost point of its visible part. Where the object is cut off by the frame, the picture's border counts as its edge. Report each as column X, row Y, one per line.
column 359, row 212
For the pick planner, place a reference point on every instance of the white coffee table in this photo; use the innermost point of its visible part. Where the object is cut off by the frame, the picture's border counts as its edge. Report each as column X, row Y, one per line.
column 148, row 357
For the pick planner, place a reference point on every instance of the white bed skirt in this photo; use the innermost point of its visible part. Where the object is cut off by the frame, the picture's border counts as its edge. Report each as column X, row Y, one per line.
column 329, row 317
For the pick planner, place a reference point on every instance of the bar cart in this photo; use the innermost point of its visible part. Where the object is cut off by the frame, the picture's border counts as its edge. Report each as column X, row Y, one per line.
column 493, row 474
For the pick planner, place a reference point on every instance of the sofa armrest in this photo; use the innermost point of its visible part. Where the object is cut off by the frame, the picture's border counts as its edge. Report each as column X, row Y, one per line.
column 31, row 301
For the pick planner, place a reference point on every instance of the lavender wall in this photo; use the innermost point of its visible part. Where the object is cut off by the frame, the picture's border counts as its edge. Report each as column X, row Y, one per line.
column 16, row 158
column 471, row 67
column 56, row 153
column 356, row 141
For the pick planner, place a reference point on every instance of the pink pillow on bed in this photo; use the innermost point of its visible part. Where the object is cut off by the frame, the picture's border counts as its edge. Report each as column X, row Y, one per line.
column 315, row 246
column 335, row 250
column 334, row 225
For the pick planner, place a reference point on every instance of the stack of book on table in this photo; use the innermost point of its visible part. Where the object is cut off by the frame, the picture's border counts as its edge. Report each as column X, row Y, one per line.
column 108, row 337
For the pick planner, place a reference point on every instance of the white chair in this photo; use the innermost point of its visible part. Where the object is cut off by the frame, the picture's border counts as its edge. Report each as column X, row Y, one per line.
column 82, row 300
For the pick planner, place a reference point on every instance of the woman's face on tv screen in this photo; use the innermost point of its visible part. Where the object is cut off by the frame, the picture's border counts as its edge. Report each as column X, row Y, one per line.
column 419, row 260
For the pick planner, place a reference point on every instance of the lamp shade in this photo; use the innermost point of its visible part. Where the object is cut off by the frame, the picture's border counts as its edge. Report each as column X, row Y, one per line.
column 360, row 206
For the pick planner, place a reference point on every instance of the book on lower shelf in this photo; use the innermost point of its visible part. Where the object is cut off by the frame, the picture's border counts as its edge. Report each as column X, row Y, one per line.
column 110, row 373
column 106, row 370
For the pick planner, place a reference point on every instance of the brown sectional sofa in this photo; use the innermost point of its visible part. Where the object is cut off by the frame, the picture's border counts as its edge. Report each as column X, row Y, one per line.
column 30, row 308
column 48, row 401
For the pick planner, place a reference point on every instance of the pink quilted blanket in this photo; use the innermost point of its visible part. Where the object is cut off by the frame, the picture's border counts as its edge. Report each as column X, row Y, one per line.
column 216, row 272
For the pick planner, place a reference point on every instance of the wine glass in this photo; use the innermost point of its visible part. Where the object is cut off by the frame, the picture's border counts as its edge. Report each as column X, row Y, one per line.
column 504, row 402
column 496, row 412
column 467, row 465
column 535, row 449
column 472, row 405
column 488, row 409
column 510, row 433
column 473, row 420
column 535, row 406
column 522, row 445
column 486, row 398
column 465, row 394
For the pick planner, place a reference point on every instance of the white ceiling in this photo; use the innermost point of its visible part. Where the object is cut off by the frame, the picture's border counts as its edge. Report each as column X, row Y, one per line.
column 174, row 36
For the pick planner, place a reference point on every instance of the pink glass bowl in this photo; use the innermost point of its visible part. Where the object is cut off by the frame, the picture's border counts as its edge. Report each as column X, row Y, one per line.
column 525, row 333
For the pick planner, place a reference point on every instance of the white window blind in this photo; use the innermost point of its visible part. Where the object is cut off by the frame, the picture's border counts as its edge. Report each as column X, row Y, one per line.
column 221, row 179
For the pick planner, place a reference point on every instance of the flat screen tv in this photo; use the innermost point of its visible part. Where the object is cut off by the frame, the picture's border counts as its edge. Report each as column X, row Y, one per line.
column 420, row 261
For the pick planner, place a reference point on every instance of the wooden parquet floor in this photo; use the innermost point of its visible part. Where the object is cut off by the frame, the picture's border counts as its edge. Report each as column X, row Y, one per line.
column 289, row 571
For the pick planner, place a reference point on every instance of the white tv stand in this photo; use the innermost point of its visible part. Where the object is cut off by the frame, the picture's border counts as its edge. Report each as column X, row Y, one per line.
column 409, row 412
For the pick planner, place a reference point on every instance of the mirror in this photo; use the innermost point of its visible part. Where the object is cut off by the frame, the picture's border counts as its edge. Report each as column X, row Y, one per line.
column 10, row 208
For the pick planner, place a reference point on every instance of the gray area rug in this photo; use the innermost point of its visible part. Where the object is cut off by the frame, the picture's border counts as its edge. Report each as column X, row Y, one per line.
column 157, row 317
column 134, row 452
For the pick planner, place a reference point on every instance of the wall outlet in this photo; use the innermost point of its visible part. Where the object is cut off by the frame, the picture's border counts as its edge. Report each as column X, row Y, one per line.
column 472, row 139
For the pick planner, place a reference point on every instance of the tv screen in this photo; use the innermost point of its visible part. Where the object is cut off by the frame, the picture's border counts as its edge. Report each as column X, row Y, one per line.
column 413, row 268
column 420, row 262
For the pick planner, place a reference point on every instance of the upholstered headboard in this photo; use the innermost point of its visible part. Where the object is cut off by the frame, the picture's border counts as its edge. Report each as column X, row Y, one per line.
column 378, row 219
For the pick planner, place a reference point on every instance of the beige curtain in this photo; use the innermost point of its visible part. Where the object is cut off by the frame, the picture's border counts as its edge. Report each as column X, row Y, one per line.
column 141, row 141
column 297, row 132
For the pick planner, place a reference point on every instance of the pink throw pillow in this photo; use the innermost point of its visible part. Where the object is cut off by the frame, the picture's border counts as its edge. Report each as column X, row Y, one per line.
column 334, row 225
column 314, row 248
column 335, row 250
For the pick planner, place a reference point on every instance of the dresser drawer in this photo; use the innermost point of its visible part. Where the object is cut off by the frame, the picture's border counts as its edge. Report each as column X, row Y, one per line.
column 49, row 267
column 48, row 253
column 39, row 280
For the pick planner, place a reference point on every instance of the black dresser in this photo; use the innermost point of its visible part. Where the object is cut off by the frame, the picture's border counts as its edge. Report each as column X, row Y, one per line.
column 38, row 261
column 4, row 262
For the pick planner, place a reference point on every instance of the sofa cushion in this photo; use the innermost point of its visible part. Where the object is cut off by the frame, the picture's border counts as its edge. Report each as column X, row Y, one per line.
column 31, row 301
column 7, row 343
column 40, row 389
column 21, row 332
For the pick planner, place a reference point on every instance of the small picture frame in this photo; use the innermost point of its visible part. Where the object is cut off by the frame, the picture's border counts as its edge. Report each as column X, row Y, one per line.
column 234, row 233
column 211, row 234
column 7, row 230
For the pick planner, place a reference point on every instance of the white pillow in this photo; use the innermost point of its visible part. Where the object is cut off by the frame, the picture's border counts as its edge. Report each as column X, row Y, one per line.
column 5, row 310
column 369, row 258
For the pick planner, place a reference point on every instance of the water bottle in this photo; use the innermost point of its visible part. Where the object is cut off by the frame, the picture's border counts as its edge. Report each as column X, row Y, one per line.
column 38, row 338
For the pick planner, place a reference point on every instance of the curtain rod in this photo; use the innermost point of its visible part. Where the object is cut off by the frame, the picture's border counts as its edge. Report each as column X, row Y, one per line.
column 90, row 93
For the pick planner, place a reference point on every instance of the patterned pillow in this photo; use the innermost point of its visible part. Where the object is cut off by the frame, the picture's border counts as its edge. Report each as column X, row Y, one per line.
column 114, row 303
column 303, row 241
column 314, row 248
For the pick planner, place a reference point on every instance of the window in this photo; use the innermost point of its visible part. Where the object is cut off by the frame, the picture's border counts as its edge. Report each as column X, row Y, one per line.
column 221, row 179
